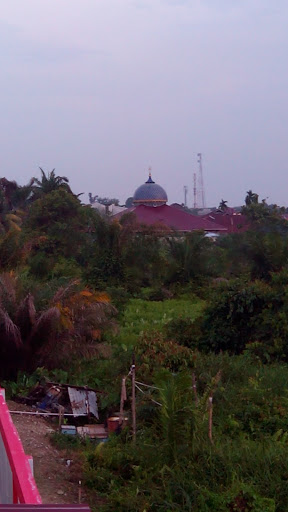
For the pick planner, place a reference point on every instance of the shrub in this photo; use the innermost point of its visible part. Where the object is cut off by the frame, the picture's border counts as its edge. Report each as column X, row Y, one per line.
column 229, row 319
column 153, row 353
column 185, row 331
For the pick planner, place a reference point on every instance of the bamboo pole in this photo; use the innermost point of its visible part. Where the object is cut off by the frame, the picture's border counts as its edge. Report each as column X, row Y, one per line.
column 40, row 413
column 133, row 399
column 210, row 412
column 122, row 400
column 61, row 412
column 194, row 388
column 80, row 492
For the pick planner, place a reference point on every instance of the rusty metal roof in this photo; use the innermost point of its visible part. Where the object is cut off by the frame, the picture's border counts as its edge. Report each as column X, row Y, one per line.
column 83, row 402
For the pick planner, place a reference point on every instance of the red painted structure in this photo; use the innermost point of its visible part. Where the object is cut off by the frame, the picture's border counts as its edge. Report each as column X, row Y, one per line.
column 44, row 508
column 24, row 486
column 171, row 218
column 233, row 221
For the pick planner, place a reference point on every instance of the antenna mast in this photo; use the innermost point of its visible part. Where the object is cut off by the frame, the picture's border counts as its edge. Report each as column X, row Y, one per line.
column 201, row 182
column 195, row 189
column 185, row 195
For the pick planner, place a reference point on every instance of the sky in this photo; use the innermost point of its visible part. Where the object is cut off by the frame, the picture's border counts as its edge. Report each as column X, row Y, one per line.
column 101, row 90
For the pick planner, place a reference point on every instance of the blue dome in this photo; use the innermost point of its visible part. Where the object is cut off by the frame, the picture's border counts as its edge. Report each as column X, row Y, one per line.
column 150, row 194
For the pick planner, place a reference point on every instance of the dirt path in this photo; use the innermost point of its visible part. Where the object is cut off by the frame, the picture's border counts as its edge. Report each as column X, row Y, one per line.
column 57, row 480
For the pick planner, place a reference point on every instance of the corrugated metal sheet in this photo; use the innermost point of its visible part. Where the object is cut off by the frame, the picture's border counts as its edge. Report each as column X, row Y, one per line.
column 171, row 218
column 83, row 402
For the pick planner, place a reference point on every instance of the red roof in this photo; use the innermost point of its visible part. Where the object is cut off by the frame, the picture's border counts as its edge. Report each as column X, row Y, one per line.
column 172, row 218
column 232, row 221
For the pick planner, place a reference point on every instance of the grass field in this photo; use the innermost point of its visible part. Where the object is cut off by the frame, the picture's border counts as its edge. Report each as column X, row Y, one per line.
column 143, row 315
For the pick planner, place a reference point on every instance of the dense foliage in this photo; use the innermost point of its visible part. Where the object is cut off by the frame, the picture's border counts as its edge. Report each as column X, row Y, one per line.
column 206, row 321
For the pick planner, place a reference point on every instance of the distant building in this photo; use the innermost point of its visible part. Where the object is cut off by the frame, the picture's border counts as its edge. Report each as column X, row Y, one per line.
column 105, row 207
column 113, row 209
column 102, row 208
column 232, row 220
column 150, row 208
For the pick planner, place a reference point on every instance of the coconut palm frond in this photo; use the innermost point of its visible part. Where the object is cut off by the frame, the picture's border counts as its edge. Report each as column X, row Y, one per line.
column 31, row 310
column 50, row 182
column 45, row 327
column 26, row 315
column 95, row 317
column 7, row 289
column 59, row 179
column 12, row 333
column 64, row 291
column 89, row 350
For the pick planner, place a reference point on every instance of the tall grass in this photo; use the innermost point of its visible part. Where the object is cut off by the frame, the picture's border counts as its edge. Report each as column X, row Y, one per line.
column 142, row 315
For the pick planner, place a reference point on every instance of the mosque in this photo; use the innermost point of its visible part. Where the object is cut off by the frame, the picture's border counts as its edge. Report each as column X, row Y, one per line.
column 150, row 208
column 150, row 194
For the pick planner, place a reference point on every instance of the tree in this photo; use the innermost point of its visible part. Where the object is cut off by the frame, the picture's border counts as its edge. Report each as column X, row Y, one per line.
column 104, row 262
column 23, row 196
column 21, row 326
column 56, row 227
column 222, row 205
column 228, row 318
column 66, row 325
column 10, row 219
column 251, row 198
column 188, row 258
column 107, row 201
column 49, row 182
column 264, row 217
column 129, row 202
column 14, row 202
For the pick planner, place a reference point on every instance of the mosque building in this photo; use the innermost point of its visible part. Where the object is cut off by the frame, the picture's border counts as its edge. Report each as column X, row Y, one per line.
column 150, row 208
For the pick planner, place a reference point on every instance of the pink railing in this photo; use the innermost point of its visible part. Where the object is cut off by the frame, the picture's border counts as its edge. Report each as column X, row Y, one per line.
column 17, row 484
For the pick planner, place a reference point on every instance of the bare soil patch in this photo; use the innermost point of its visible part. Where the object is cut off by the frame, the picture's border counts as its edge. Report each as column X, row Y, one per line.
column 57, row 479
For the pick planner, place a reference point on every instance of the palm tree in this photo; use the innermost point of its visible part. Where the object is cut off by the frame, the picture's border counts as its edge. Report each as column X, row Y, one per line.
column 188, row 257
column 7, row 189
column 13, row 203
column 222, row 205
column 66, row 327
column 177, row 412
column 23, row 196
column 50, row 182
column 251, row 198
column 20, row 326
column 9, row 218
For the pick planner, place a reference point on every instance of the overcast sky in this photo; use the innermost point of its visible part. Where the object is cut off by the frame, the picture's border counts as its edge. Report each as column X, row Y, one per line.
column 103, row 89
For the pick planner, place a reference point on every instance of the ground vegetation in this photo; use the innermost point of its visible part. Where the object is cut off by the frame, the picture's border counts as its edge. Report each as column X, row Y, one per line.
column 206, row 321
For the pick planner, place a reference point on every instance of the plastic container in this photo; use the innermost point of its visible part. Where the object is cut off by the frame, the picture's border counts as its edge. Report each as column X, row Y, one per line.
column 68, row 430
column 113, row 423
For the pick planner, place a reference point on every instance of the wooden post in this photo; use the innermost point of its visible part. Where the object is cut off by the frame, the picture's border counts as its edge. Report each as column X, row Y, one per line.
column 210, row 412
column 80, row 492
column 194, row 388
column 133, row 399
column 122, row 400
column 61, row 413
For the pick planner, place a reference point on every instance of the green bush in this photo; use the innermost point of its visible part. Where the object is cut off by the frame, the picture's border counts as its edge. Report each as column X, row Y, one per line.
column 185, row 331
column 154, row 352
column 249, row 316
